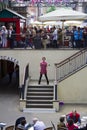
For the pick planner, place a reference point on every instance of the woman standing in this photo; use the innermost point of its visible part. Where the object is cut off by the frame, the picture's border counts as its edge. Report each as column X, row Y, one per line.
column 43, row 70
column 4, row 34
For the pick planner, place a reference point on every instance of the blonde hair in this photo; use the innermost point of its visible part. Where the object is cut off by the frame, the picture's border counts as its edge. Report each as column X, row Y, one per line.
column 43, row 58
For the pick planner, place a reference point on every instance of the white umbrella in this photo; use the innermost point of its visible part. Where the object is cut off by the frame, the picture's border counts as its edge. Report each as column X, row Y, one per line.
column 53, row 23
column 63, row 14
column 36, row 23
column 73, row 23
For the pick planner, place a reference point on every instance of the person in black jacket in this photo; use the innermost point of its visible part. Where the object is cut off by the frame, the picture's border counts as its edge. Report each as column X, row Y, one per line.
column 37, row 40
column 11, row 36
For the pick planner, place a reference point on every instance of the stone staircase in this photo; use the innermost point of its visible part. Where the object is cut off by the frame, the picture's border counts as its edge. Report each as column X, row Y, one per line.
column 39, row 97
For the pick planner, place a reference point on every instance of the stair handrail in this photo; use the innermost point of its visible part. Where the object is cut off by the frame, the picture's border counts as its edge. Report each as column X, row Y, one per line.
column 26, row 83
column 68, row 60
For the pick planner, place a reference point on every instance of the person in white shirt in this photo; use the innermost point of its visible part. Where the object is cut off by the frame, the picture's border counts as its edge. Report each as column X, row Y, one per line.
column 55, row 37
column 4, row 34
column 38, row 125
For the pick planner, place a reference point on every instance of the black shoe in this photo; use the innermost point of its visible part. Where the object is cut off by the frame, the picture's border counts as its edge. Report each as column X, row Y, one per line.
column 48, row 83
column 38, row 83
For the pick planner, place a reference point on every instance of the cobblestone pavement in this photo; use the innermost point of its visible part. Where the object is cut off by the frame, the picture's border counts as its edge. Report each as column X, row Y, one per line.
column 9, row 108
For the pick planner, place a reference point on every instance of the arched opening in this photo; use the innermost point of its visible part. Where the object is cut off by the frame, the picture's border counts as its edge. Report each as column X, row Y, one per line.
column 9, row 76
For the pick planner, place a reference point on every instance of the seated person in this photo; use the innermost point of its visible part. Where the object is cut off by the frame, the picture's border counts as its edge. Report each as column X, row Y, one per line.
column 70, row 125
column 22, row 124
column 74, row 115
column 61, row 125
column 38, row 125
column 18, row 121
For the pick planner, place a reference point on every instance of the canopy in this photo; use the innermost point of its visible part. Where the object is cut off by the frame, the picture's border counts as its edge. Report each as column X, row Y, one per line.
column 52, row 23
column 63, row 14
column 73, row 23
column 66, row 23
column 36, row 23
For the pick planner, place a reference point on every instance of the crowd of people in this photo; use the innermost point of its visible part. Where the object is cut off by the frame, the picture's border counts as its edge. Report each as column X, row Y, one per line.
column 44, row 37
column 72, row 119
column 54, row 37
column 21, row 124
column 66, row 122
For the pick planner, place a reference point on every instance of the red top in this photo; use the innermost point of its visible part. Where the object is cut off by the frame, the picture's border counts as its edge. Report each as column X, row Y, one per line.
column 72, row 127
column 76, row 116
column 43, row 69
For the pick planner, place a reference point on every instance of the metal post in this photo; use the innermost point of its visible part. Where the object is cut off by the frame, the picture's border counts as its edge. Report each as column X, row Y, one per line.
column 55, row 84
column 55, row 101
column 21, row 91
column 55, row 90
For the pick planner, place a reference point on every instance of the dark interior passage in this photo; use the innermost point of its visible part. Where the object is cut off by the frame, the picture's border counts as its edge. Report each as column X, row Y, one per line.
column 9, row 77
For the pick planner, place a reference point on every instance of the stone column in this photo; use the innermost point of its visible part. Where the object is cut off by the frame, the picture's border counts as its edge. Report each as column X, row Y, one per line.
column 56, row 105
column 22, row 104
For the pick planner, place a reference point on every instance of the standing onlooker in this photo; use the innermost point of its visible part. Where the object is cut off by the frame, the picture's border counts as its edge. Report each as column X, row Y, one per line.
column 43, row 70
column 37, row 42
column 55, row 37
column 78, row 36
column 60, row 37
column 44, row 38
column 0, row 41
column 4, row 34
column 73, row 37
column 85, row 36
column 11, row 36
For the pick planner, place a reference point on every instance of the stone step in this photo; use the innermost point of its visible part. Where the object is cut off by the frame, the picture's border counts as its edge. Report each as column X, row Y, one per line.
column 38, row 90
column 40, row 93
column 39, row 96
column 39, row 105
column 39, row 101
column 40, row 86
column 38, row 110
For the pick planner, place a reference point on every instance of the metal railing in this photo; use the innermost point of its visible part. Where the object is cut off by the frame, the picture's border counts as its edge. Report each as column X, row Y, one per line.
column 23, row 89
column 70, row 65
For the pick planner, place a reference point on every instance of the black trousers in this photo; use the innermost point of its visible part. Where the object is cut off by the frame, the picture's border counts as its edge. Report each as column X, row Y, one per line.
column 45, row 77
